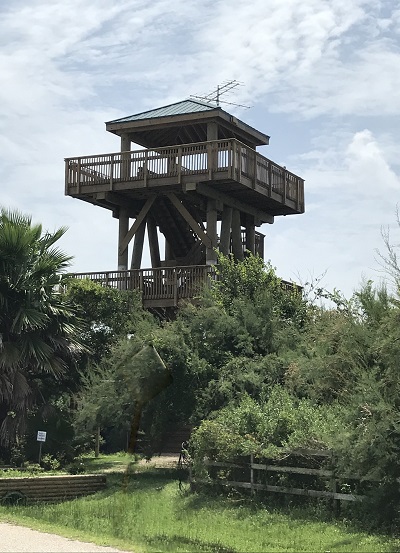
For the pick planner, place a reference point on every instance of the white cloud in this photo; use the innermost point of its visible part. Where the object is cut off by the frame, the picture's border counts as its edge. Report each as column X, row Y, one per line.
column 67, row 67
column 353, row 194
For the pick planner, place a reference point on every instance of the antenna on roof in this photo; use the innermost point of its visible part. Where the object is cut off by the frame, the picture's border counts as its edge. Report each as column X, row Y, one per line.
column 223, row 88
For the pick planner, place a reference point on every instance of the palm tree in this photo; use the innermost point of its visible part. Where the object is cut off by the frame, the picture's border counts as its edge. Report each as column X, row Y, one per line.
column 39, row 328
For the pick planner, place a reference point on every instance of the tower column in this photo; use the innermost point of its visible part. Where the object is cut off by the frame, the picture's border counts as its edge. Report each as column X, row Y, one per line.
column 153, row 242
column 123, row 227
column 168, row 255
column 212, row 153
column 237, row 246
column 212, row 131
column 226, row 223
column 126, row 158
column 212, row 215
column 138, row 246
column 250, row 235
column 125, row 143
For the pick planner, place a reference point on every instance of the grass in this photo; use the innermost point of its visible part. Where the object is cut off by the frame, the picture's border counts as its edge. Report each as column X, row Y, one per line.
column 148, row 512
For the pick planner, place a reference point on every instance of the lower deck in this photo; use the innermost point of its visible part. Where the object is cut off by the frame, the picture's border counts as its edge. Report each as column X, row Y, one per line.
column 163, row 287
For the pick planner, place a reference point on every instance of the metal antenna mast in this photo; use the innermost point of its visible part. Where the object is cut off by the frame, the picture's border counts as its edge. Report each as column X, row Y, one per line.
column 215, row 95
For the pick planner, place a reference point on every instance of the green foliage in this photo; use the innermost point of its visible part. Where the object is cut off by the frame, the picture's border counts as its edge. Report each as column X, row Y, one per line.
column 109, row 313
column 39, row 327
column 50, row 463
column 242, row 279
column 267, row 428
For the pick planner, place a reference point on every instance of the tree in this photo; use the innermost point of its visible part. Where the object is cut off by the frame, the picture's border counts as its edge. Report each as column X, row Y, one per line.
column 109, row 313
column 39, row 328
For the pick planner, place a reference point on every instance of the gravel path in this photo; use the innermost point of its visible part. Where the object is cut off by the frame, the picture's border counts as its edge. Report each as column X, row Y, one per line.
column 18, row 539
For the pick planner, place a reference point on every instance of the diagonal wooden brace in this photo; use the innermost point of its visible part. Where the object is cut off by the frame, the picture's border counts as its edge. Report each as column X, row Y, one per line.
column 139, row 219
column 191, row 221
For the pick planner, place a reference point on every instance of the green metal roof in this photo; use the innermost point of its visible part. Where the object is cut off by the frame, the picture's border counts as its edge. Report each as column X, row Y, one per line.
column 179, row 108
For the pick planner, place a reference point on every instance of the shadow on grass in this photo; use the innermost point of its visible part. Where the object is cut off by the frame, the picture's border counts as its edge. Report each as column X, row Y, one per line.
column 181, row 543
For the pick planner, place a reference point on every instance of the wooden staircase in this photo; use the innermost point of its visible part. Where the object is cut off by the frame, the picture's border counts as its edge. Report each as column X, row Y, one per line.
column 177, row 232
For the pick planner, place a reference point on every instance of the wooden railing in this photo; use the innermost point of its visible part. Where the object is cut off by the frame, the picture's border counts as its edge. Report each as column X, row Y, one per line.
column 164, row 286
column 215, row 159
column 160, row 286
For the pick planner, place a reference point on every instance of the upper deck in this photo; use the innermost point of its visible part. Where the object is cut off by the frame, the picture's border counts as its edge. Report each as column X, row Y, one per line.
column 213, row 167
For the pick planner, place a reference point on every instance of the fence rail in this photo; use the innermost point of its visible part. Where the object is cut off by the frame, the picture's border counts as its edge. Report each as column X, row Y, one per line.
column 230, row 159
column 250, row 472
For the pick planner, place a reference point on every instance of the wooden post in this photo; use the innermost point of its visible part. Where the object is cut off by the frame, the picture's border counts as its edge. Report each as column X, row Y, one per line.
column 175, row 285
column 168, row 251
column 250, row 235
column 125, row 143
column 212, row 150
column 333, row 486
column 269, row 178
column 211, row 258
column 123, row 215
column 97, row 443
column 153, row 242
column 123, row 226
column 284, row 185
column 226, row 224
column 125, row 157
column 237, row 247
column 252, row 474
column 138, row 246
column 260, row 245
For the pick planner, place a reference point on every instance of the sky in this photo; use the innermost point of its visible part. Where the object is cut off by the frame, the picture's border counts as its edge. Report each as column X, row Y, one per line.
column 322, row 78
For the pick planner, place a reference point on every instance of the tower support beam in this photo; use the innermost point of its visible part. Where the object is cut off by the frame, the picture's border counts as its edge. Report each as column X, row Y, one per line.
column 226, row 224
column 137, row 252
column 237, row 247
column 123, row 225
column 191, row 221
column 212, row 216
column 139, row 219
column 153, row 242
column 250, row 235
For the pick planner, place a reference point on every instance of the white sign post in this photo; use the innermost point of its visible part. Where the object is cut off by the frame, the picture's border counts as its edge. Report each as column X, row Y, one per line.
column 41, row 437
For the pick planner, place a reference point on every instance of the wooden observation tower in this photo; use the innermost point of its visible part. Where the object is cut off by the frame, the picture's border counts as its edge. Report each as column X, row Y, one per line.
column 198, row 180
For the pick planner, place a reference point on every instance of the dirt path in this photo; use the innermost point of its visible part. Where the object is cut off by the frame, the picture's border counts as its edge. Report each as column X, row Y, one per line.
column 18, row 539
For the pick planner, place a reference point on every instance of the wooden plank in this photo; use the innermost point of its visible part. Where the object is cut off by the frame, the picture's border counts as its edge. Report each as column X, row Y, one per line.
column 227, row 465
column 136, row 224
column 293, row 470
column 289, row 491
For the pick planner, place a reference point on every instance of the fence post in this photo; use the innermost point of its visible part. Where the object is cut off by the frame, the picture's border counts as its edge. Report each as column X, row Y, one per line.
column 333, row 486
column 252, row 474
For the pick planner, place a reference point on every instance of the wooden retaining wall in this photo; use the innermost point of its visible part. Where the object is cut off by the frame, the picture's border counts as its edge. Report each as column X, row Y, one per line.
column 51, row 488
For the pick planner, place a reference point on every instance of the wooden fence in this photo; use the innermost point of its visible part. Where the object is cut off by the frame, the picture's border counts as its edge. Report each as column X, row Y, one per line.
column 254, row 476
column 50, row 488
